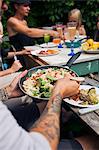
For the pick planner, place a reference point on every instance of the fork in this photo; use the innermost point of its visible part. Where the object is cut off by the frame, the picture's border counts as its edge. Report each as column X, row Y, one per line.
column 15, row 57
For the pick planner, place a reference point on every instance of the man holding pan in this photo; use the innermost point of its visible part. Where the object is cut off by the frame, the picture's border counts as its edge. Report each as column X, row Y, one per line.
column 45, row 132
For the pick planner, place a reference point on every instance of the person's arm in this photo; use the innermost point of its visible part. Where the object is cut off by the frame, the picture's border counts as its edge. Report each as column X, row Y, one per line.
column 1, row 29
column 19, row 53
column 15, row 67
column 31, row 32
column 48, row 124
column 1, row 3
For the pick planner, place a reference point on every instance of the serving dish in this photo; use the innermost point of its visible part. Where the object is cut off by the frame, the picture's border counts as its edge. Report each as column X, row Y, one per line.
column 91, row 51
column 43, row 69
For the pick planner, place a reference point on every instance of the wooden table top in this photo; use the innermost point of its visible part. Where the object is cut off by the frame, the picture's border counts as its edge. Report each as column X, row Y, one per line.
column 62, row 57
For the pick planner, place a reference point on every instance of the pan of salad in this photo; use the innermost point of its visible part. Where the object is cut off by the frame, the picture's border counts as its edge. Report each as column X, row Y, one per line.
column 39, row 81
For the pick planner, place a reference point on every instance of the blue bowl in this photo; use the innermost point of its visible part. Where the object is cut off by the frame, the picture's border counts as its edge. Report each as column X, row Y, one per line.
column 76, row 44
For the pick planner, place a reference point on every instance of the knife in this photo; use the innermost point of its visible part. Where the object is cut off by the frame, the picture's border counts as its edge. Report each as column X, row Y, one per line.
column 83, row 111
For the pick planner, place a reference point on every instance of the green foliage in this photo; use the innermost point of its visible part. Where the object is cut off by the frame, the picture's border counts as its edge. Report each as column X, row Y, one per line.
column 48, row 12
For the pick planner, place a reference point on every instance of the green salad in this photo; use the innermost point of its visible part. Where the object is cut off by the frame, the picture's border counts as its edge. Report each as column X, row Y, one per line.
column 40, row 84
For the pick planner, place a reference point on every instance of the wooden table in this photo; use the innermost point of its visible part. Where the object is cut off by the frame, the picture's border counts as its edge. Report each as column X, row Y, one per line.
column 85, row 64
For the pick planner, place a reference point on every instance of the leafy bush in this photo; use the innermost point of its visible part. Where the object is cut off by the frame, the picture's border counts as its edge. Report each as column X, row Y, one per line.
column 48, row 12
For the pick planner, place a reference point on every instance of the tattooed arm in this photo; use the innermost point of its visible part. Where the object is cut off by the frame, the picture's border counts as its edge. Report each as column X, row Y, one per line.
column 48, row 124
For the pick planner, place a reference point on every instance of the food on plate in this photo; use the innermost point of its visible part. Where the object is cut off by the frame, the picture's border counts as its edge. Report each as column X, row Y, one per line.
column 90, row 44
column 85, row 46
column 41, row 82
column 88, row 96
column 90, row 41
column 48, row 52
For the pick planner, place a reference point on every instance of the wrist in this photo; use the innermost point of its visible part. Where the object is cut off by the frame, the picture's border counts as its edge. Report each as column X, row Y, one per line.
column 57, row 91
column 8, row 91
column 5, row 93
column 20, row 52
column 11, row 70
column 55, row 102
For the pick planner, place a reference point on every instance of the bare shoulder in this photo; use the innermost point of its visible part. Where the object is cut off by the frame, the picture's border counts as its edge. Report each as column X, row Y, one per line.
column 12, row 21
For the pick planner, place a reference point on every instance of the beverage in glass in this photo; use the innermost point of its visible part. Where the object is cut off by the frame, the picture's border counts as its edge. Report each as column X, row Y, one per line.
column 59, row 28
column 46, row 38
column 60, row 31
column 71, row 28
column 72, row 32
column 56, row 40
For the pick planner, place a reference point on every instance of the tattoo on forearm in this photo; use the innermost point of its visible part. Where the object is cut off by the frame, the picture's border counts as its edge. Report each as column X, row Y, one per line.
column 49, row 122
column 56, row 104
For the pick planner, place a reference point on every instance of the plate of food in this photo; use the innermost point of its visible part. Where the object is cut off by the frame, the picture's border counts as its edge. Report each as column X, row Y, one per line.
column 44, row 53
column 92, row 51
column 88, row 97
column 39, row 81
column 90, row 47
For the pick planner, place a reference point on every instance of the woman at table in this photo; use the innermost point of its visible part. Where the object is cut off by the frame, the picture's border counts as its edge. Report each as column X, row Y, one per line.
column 20, row 34
column 12, row 65
column 76, row 16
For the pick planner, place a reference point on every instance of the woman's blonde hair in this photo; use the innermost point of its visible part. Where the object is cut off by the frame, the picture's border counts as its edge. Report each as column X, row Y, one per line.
column 79, row 16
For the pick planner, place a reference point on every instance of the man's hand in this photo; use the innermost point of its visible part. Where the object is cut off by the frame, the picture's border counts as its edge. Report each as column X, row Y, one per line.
column 13, row 89
column 66, row 87
column 26, row 52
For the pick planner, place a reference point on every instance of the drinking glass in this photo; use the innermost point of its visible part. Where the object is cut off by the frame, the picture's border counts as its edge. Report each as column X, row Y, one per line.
column 59, row 28
column 56, row 40
column 71, row 28
column 46, row 38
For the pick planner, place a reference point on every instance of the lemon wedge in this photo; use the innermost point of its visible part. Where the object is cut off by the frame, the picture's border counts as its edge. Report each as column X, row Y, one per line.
column 85, row 46
column 90, row 42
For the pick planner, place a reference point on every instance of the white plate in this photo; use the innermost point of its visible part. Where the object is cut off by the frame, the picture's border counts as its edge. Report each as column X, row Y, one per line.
column 77, row 103
column 50, row 45
column 36, row 53
column 91, row 51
